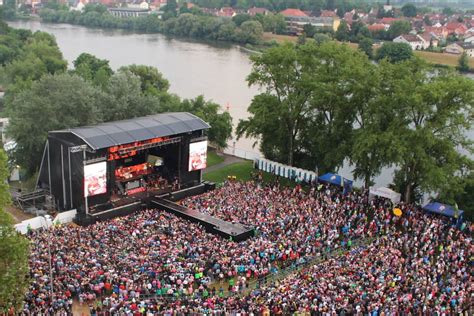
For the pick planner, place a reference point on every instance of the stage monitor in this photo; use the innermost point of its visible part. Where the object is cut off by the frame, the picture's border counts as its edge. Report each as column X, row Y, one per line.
column 95, row 179
column 197, row 155
column 155, row 160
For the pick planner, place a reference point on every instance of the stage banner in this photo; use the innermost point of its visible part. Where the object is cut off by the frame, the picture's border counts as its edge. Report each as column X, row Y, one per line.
column 197, row 156
column 95, row 179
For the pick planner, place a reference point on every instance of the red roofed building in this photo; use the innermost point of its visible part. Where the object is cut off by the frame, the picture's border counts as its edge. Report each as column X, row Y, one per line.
column 328, row 14
column 389, row 20
column 377, row 27
column 297, row 19
column 226, row 12
column 456, row 28
column 254, row 11
column 440, row 32
column 293, row 13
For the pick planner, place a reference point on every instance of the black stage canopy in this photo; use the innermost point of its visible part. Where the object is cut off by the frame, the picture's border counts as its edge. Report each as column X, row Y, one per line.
column 137, row 129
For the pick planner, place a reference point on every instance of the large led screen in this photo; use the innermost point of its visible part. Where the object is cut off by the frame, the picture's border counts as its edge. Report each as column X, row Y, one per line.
column 95, row 179
column 197, row 155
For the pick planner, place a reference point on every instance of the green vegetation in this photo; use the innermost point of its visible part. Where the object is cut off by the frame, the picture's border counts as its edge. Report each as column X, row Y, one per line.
column 394, row 52
column 242, row 29
column 213, row 158
column 14, row 252
column 41, row 95
column 463, row 63
column 241, row 170
column 409, row 10
column 323, row 104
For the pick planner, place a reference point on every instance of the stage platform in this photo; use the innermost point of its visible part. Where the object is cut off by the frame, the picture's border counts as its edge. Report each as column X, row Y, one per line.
column 236, row 231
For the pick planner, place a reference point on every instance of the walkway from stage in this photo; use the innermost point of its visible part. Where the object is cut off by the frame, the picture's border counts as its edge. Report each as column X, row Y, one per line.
column 228, row 160
column 228, row 230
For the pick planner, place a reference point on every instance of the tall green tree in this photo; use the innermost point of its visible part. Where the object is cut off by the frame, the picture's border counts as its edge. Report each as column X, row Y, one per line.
column 409, row 10
column 51, row 103
column 152, row 81
column 342, row 33
column 93, row 69
column 14, row 280
column 124, row 98
column 277, row 115
column 366, row 45
column 463, row 63
column 221, row 122
column 341, row 81
column 398, row 28
column 433, row 111
column 394, row 52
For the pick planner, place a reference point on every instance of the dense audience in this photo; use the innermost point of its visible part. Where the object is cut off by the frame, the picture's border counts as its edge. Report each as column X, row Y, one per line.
column 152, row 262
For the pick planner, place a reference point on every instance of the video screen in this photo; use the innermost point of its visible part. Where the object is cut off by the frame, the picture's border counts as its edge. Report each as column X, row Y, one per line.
column 155, row 160
column 197, row 155
column 95, row 179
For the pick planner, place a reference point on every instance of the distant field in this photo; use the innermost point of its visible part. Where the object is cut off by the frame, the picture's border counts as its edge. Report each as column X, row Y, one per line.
column 443, row 58
column 435, row 58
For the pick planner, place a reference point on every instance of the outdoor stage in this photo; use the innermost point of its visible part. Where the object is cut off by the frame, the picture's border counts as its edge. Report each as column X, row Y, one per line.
column 115, row 168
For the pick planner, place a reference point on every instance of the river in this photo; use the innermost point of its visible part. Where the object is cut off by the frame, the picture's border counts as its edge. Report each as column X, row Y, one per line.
column 217, row 71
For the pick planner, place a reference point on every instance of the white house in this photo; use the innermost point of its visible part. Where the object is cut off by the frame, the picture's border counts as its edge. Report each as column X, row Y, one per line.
column 469, row 39
column 468, row 49
column 454, row 48
column 416, row 42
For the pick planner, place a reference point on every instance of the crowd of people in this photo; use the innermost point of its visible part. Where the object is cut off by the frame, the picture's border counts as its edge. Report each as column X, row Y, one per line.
column 154, row 263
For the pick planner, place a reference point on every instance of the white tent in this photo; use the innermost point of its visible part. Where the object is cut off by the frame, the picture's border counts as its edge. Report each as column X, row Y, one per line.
column 385, row 193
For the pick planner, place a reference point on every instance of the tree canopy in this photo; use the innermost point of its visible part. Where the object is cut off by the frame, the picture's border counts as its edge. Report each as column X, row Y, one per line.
column 394, row 52
column 322, row 104
column 14, row 252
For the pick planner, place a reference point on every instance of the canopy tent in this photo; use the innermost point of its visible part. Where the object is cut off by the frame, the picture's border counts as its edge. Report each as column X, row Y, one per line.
column 442, row 209
column 385, row 193
column 337, row 180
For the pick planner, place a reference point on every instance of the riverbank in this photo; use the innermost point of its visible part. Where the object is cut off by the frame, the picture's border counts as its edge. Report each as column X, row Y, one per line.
column 441, row 59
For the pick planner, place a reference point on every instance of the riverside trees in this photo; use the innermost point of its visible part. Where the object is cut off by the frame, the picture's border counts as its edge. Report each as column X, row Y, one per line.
column 41, row 95
column 325, row 103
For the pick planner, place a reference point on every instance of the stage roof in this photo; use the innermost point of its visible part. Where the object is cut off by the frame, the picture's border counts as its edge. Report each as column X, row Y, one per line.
column 109, row 134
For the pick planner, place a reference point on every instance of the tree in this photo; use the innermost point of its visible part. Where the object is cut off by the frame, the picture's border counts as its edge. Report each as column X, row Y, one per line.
column 277, row 114
column 448, row 11
column 38, row 55
column 241, row 18
column 365, row 45
column 409, row 10
column 152, row 81
column 309, row 30
column 171, row 9
column 398, row 28
column 321, row 38
column 394, row 52
column 341, row 81
column 124, row 98
column 14, row 280
column 342, row 33
column 53, row 102
column 463, row 63
column 433, row 111
column 250, row 32
column 304, row 116
column 93, row 69
column 221, row 122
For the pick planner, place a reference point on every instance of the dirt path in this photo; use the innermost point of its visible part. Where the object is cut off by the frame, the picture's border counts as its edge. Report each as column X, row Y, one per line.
column 18, row 215
column 80, row 310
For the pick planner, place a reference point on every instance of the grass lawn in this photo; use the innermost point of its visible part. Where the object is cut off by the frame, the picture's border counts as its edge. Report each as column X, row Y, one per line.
column 242, row 171
column 239, row 169
column 213, row 158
